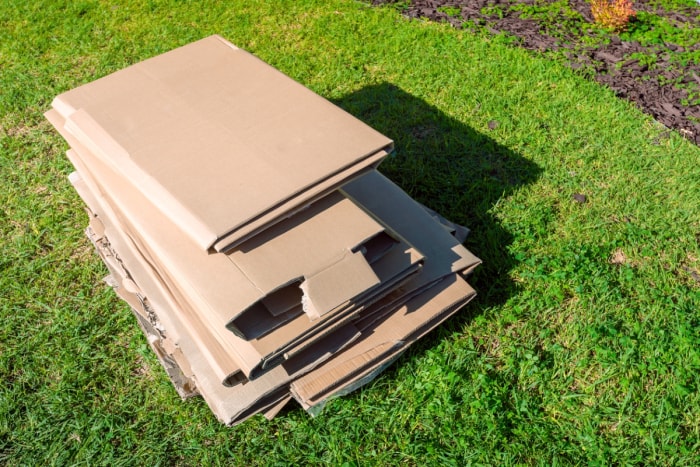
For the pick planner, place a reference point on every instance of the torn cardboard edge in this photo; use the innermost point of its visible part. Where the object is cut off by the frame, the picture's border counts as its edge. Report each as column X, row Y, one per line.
column 196, row 334
column 173, row 362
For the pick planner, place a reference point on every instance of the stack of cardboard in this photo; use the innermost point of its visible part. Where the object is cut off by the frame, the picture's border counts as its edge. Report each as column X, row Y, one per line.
column 242, row 218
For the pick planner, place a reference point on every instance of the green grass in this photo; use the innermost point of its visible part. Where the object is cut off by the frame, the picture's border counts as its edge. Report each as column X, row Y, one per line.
column 581, row 348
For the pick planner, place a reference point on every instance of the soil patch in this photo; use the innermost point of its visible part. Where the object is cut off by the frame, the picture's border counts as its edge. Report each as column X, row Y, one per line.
column 660, row 77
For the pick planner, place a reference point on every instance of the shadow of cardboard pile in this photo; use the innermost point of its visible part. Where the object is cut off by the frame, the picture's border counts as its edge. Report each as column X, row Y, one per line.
column 457, row 171
column 453, row 169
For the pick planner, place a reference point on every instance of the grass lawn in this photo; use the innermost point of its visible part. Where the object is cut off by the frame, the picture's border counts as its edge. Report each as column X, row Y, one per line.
column 581, row 348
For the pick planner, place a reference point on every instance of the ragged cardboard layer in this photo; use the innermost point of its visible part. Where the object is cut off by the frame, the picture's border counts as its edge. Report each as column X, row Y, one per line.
column 163, row 344
column 173, row 362
column 192, row 334
column 164, row 241
column 209, row 114
column 231, row 404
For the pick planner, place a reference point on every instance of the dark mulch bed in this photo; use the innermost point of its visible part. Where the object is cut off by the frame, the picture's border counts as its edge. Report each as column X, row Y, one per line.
column 660, row 90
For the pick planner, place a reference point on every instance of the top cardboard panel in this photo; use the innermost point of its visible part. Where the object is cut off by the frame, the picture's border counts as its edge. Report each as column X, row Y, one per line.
column 217, row 138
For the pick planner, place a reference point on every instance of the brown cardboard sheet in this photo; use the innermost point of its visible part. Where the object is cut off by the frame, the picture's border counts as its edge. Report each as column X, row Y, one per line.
column 210, row 114
column 381, row 341
column 308, row 246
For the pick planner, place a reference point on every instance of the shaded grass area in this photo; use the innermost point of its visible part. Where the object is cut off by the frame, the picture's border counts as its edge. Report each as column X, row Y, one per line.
column 582, row 346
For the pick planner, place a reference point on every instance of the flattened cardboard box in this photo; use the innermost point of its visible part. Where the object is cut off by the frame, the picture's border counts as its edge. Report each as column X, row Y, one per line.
column 135, row 139
column 210, row 114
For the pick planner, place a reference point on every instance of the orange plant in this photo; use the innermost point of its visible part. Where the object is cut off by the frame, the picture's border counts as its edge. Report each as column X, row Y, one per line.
column 613, row 14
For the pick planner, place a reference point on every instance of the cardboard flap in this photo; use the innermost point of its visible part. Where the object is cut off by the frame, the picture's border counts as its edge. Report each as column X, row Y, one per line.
column 97, row 227
column 392, row 270
column 459, row 232
column 272, row 411
column 336, row 284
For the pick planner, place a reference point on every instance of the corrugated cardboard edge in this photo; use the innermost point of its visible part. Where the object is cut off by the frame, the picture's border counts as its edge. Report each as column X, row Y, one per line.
column 175, row 365
column 91, row 196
